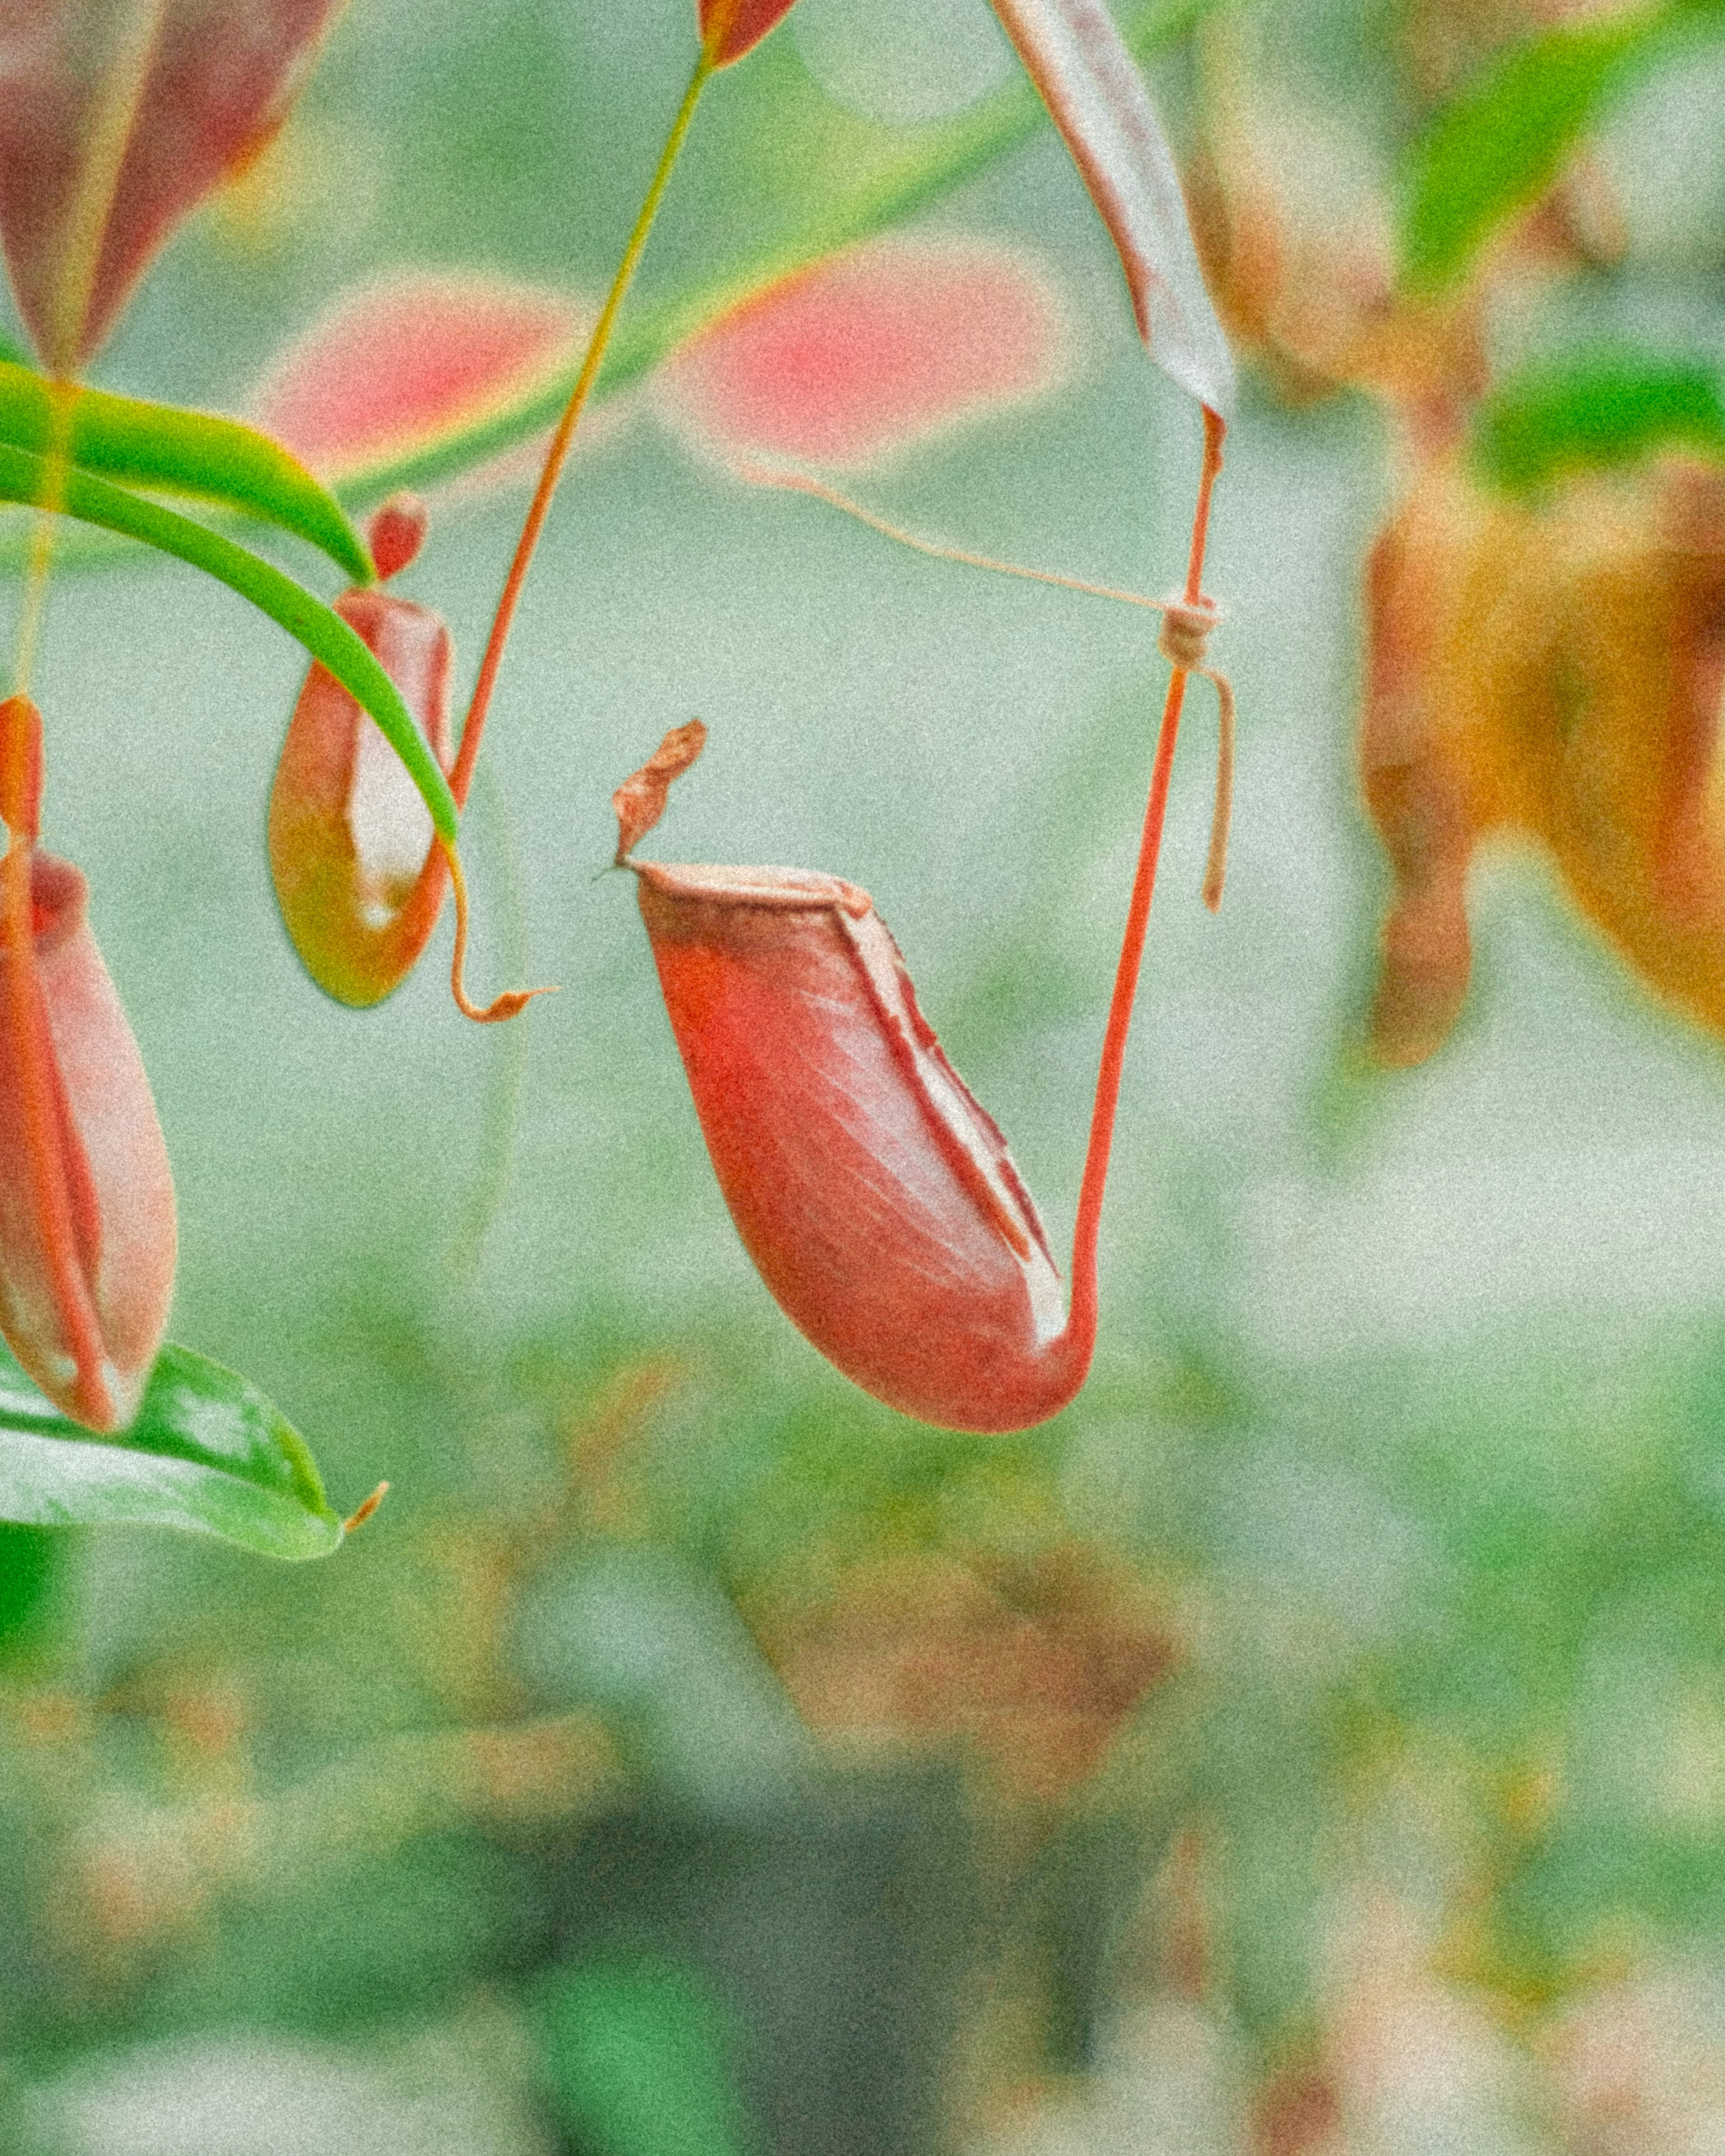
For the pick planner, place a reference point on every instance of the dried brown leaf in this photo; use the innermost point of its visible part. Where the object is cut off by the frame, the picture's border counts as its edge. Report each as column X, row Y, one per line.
column 639, row 801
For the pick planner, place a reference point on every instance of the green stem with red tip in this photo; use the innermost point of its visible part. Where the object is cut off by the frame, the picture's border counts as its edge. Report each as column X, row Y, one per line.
column 461, row 776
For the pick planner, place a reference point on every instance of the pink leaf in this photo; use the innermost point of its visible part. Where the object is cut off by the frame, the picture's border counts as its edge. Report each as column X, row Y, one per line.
column 729, row 29
column 396, row 366
column 1091, row 85
column 117, row 118
column 868, row 352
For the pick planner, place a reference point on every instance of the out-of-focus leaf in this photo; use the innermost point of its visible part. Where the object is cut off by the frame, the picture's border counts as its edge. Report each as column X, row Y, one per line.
column 1085, row 74
column 207, row 1452
column 654, row 1648
column 914, row 167
column 639, row 2055
column 162, row 446
column 24, row 478
column 1499, row 145
column 27, row 1562
column 117, row 117
column 1597, row 409
column 867, row 352
column 394, row 367
column 729, row 29
column 1548, row 668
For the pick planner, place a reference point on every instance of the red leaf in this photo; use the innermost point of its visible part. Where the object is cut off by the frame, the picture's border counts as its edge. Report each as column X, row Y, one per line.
column 87, row 1230
column 876, row 1198
column 867, row 352
column 394, row 368
column 357, row 877
column 1092, row 88
column 116, row 119
column 729, row 29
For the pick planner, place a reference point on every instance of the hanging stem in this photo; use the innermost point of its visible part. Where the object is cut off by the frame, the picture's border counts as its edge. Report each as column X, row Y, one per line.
column 796, row 482
column 461, row 776
column 62, row 397
column 1082, row 1323
column 502, row 1108
column 1184, row 640
column 507, row 1005
column 93, row 201
column 501, row 1008
column 47, row 1135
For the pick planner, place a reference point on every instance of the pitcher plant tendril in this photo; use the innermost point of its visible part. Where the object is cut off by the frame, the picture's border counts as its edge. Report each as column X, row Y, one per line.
column 444, row 855
column 728, row 30
column 1184, row 639
column 876, row 1197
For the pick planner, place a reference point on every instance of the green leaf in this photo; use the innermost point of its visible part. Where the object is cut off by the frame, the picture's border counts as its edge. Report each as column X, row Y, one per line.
column 207, row 1452
column 28, row 479
column 163, row 447
column 1500, row 143
column 639, row 2055
column 1595, row 410
column 29, row 1558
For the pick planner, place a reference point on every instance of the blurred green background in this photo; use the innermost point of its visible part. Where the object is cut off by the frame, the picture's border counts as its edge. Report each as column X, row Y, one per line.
column 1316, row 1737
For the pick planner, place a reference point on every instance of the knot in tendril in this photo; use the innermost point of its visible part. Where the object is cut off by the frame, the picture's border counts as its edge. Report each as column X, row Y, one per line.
column 1184, row 639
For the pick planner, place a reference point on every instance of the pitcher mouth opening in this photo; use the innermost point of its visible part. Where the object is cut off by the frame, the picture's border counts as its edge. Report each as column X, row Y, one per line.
column 722, row 884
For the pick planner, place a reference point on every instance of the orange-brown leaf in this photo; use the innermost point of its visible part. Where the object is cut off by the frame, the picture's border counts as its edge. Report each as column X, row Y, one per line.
column 639, row 801
column 1552, row 672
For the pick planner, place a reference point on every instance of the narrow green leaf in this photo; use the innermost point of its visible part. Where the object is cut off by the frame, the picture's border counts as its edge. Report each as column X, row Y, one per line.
column 1500, row 143
column 28, row 479
column 180, row 452
column 1594, row 410
column 207, row 1452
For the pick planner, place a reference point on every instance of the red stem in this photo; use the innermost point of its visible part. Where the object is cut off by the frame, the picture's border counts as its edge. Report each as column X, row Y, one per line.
column 1081, row 1325
column 30, row 1054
